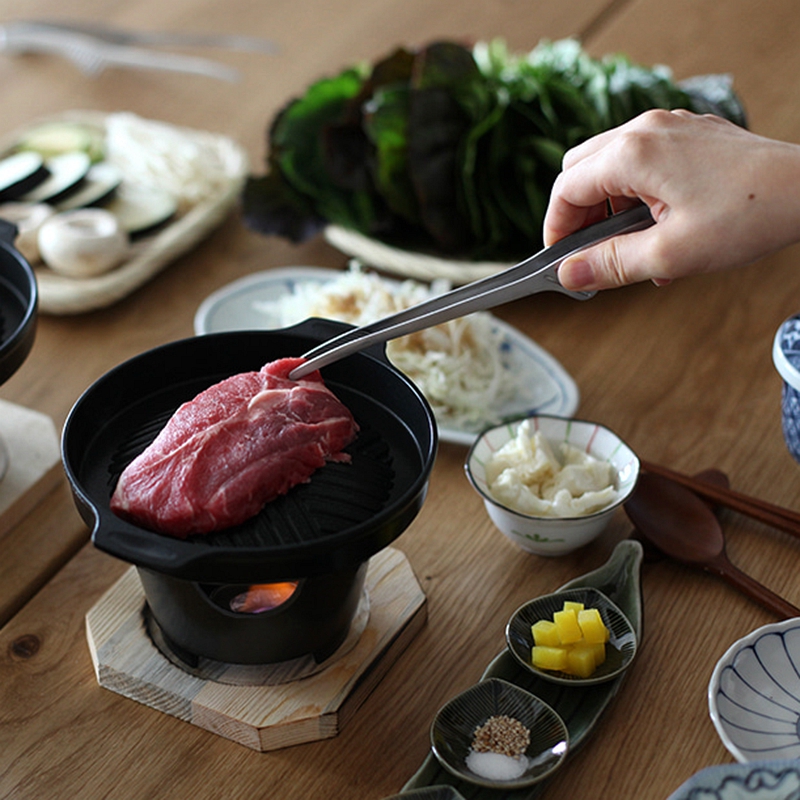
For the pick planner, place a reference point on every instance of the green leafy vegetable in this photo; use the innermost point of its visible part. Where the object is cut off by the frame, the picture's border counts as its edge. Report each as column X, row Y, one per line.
column 450, row 149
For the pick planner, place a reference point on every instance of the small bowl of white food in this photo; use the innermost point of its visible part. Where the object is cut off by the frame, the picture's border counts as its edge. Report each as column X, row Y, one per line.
column 551, row 484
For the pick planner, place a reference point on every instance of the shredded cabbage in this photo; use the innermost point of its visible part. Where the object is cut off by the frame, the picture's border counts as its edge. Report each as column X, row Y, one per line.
column 457, row 365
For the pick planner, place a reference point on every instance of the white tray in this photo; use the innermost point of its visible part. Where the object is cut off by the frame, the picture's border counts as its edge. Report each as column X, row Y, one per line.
column 408, row 263
column 59, row 294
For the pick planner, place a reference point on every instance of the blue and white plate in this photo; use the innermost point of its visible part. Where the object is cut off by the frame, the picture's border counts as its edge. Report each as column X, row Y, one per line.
column 759, row 780
column 546, row 387
column 754, row 694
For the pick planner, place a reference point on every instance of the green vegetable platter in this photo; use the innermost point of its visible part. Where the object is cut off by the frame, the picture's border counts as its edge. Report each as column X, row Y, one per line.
column 449, row 152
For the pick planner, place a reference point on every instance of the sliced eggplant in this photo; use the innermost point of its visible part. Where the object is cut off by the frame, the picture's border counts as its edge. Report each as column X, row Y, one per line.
column 21, row 173
column 99, row 185
column 67, row 173
column 52, row 139
column 141, row 209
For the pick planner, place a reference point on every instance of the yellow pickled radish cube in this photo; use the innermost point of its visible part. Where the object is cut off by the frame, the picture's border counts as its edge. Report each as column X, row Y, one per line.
column 574, row 605
column 544, row 657
column 592, row 626
column 581, row 660
column 567, row 624
column 599, row 653
column 545, row 633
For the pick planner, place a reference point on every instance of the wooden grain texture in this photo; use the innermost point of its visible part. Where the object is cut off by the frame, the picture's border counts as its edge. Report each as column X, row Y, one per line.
column 682, row 372
column 33, row 463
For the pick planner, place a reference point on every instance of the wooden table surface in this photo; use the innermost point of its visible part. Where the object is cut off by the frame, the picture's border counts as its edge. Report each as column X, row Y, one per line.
column 682, row 373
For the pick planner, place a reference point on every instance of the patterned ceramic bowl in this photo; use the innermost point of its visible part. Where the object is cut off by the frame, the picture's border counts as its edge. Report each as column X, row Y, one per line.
column 757, row 780
column 754, row 694
column 786, row 357
column 620, row 648
column 454, row 729
column 553, row 536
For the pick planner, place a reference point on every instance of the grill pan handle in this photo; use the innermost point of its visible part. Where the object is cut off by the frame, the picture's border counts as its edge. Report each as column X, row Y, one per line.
column 137, row 547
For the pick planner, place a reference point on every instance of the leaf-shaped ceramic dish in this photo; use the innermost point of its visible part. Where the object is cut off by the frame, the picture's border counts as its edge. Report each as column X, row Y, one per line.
column 579, row 707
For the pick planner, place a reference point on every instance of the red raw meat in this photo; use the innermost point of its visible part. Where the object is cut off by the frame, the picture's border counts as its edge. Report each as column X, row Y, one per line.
column 236, row 446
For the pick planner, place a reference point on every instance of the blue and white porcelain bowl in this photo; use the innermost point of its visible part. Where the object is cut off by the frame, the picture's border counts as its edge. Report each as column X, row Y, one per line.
column 754, row 694
column 757, row 780
column 786, row 357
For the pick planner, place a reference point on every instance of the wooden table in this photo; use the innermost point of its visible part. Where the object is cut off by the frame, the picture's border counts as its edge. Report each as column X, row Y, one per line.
column 683, row 374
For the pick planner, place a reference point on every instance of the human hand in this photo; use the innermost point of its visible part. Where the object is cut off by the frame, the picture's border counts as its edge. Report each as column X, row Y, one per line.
column 721, row 197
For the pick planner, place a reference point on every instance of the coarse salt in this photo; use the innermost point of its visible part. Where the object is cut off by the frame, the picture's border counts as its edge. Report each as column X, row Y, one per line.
column 496, row 766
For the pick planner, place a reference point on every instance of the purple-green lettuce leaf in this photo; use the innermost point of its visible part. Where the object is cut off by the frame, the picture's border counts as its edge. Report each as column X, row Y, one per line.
column 386, row 117
column 438, row 123
column 272, row 207
column 299, row 154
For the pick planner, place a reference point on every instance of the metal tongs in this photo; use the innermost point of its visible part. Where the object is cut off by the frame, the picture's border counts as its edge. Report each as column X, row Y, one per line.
column 539, row 273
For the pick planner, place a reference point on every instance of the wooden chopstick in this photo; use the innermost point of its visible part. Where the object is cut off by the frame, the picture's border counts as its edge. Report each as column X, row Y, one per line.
column 781, row 518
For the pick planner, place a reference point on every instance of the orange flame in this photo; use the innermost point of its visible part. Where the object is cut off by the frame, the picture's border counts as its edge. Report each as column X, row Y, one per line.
column 263, row 597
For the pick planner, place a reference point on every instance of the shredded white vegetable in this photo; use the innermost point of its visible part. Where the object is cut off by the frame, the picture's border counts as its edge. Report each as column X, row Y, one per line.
column 457, row 365
column 187, row 164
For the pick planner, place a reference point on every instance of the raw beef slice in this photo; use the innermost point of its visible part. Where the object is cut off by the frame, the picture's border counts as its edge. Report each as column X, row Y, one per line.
column 236, row 446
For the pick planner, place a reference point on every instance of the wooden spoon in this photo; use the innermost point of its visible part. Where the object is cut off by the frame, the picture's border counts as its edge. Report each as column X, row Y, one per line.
column 715, row 477
column 684, row 528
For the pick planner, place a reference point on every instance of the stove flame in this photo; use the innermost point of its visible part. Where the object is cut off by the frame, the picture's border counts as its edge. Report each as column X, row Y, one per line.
column 262, row 597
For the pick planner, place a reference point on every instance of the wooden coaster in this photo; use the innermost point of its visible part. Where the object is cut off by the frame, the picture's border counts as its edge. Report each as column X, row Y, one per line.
column 30, row 441
column 260, row 717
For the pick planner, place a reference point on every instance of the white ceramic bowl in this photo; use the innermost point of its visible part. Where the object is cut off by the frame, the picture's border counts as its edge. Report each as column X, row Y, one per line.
column 554, row 536
column 754, row 694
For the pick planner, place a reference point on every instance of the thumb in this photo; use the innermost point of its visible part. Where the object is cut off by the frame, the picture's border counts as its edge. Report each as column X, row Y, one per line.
column 617, row 262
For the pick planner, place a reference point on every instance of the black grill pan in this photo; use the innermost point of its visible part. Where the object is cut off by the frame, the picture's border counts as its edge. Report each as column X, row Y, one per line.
column 345, row 514
column 18, row 304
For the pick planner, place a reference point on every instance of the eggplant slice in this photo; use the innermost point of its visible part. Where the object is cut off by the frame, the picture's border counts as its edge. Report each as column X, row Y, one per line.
column 342, row 516
column 101, row 181
column 67, row 173
column 20, row 173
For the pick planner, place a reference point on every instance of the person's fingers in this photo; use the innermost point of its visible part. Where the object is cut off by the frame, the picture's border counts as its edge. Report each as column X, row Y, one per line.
column 620, row 261
column 582, row 193
column 563, row 218
column 616, row 167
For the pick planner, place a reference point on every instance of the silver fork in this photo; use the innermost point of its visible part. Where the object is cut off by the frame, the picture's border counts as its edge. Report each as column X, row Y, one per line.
column 123, row 36
column 92, row 55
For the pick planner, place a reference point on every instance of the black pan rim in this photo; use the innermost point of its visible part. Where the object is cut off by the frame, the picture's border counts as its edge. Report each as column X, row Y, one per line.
column 21, row 283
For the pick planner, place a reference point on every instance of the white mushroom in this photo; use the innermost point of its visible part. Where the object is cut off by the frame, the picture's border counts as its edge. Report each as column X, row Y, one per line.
column 83, row 242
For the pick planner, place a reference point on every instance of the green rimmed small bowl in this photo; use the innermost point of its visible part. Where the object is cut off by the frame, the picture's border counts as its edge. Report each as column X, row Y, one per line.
column 620, row 648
